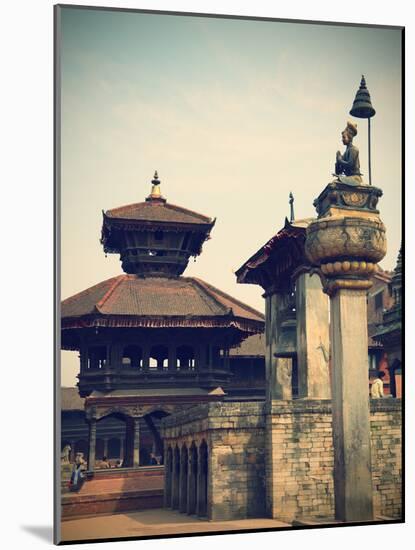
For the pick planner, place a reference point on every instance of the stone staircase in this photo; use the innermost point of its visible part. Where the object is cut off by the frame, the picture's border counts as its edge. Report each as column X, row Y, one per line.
column 115, row 490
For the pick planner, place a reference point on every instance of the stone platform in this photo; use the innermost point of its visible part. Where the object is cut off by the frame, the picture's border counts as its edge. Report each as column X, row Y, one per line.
column 116, row 490
column 155, row 523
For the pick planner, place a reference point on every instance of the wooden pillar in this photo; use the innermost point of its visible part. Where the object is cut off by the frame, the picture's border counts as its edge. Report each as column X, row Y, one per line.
column 210, row 356
column 146, row 358
column 92, row 444
column 197, row 358
column 172, row 357
column 83, row 357
column 116, row 355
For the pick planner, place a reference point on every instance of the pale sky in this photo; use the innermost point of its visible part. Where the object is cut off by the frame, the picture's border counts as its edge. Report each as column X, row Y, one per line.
column 234, row 114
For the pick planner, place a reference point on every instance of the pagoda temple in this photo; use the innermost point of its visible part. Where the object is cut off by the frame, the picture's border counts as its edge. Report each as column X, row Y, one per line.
column 150, row 341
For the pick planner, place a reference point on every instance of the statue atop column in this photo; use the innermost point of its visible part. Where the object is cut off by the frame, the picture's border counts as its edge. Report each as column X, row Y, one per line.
column 347, row 167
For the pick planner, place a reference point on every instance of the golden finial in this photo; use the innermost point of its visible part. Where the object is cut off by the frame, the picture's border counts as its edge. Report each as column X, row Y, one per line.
column 155, row 194
column 155, row 190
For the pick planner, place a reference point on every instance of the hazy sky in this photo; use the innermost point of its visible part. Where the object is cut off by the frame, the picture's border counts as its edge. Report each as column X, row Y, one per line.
column 234, row 114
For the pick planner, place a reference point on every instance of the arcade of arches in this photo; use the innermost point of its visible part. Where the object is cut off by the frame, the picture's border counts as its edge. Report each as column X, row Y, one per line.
column 186, row 477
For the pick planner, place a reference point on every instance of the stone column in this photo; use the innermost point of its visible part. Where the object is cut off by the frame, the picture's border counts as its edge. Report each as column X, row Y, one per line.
column 313, row 343
column 175, row 479
column 351, row 420
column 201, row 507
column 277, row 369
column 106, row 446
column 184, row 463
column 92, row 444
column 136, row 442
column 192, row 481
column 346, row 241
column 168, row 464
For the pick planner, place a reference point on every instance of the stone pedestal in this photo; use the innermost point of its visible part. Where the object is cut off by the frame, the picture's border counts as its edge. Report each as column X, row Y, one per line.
column 313, row 344
column 346, row 242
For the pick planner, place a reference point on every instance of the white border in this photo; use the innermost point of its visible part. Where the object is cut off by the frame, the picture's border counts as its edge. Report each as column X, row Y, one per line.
column 26, row 206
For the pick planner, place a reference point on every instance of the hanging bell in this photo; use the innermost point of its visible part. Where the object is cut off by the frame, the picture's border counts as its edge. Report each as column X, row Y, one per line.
column 362, row 106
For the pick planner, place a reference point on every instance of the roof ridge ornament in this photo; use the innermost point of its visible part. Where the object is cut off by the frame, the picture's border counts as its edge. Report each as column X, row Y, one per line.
column 291, row 201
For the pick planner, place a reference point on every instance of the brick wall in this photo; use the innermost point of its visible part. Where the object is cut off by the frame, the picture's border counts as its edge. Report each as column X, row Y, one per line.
column 276, row 460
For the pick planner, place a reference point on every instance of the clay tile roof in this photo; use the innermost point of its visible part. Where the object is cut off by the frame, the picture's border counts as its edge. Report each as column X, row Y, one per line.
column 158, row 212
column 183, row 298
column 253, row 346
column 70, row 400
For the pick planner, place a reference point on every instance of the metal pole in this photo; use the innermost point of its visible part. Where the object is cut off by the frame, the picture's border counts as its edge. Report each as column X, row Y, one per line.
column 370, row 165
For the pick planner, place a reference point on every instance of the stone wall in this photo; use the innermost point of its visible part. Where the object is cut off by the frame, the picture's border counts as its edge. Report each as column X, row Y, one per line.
column 234, row 433
column 299, row 459
column 277, row 460
column 386, row 432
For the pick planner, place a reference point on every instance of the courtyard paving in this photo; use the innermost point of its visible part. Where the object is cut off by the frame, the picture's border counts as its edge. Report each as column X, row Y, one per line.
column 154, row 523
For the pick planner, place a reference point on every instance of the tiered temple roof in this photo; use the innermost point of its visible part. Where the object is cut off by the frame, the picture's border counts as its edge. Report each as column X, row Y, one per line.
column 132, row 301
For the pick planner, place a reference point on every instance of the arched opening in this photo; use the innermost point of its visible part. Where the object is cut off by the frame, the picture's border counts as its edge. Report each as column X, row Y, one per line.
column 153, row 445
column 159, row 358
column 97, row 357
column 184, row 461
column 185, row 358
column 202, row 485
column 132, row 357
column 192, row 480
column 111, row 441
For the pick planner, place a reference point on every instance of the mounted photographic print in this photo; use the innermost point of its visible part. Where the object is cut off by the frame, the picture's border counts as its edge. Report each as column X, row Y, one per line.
column 229, row 274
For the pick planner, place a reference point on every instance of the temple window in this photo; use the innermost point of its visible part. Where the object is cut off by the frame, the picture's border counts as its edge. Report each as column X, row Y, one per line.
column 185, row 358
column 97, row 357
column 159, row 357
column 132, row 357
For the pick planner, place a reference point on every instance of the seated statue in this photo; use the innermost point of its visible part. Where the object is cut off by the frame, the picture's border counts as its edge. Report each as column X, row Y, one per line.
column 348, row 163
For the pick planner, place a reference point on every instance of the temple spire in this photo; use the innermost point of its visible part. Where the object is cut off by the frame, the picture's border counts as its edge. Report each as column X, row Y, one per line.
column 291, row 201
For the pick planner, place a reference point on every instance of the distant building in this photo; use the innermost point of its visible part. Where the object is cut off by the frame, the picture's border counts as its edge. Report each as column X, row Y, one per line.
column 388, row 330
